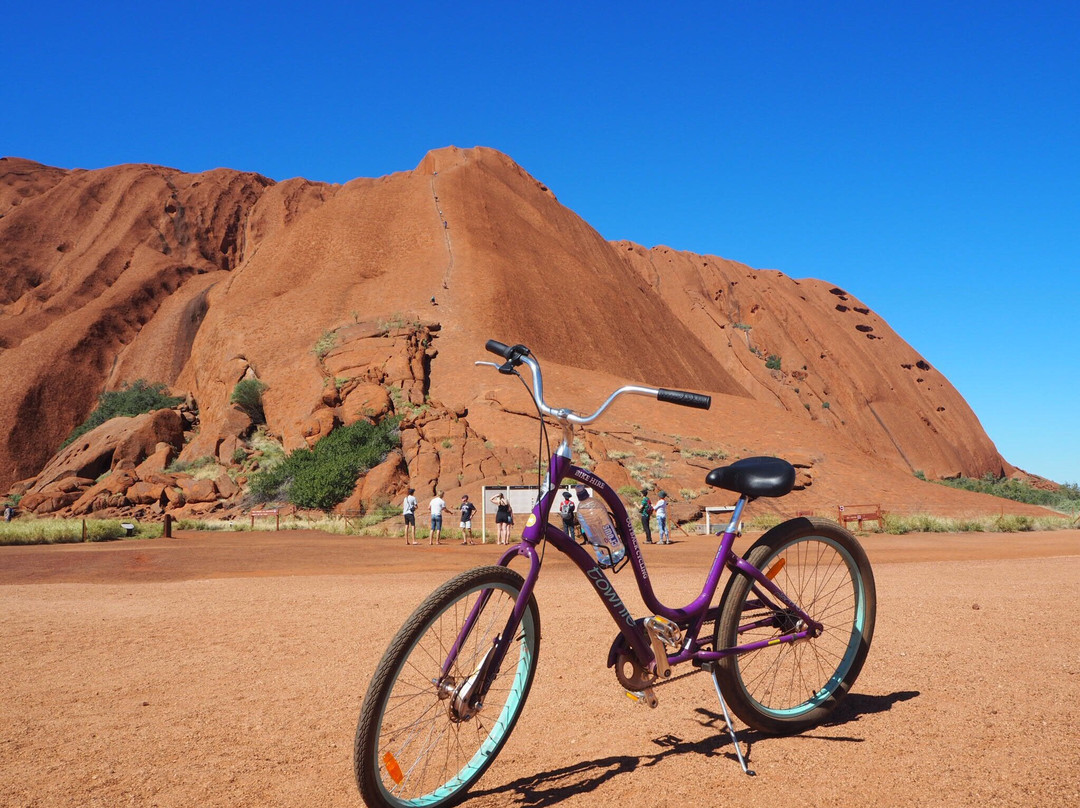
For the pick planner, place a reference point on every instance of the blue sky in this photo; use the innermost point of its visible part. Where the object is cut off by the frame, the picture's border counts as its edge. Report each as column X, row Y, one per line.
column 924, row 156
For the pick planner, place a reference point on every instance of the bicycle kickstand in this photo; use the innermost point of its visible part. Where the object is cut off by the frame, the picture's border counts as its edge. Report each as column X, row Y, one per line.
column 708, row 666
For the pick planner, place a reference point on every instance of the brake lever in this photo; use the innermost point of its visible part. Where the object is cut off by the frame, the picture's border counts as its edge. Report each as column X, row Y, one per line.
column 507, row 368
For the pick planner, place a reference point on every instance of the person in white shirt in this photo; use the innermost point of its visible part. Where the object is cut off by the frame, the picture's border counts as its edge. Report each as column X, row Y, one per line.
column 408, row 510
column 437, row 505
column 660, row 509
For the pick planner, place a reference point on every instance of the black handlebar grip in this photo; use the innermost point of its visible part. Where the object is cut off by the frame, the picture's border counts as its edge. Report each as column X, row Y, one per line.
column 496, row 347
column 684, row 398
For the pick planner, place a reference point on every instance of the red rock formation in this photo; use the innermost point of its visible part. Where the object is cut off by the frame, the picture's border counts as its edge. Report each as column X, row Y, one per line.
column 355, row 301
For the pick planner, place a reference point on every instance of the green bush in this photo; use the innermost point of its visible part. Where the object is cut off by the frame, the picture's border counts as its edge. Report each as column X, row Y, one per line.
column 134, row 398
column 247, row 395
column 326, row 474
column 1066, row 498
column 325, row 344
column 773, row 362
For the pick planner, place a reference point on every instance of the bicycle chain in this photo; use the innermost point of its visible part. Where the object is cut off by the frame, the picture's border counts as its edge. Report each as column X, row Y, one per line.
column 673, row 679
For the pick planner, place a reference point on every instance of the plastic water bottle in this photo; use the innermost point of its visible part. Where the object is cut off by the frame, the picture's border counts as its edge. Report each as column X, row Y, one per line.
column 599, row 528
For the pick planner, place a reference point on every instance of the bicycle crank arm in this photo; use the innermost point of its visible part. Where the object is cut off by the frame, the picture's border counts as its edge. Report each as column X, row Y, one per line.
column 662, row 633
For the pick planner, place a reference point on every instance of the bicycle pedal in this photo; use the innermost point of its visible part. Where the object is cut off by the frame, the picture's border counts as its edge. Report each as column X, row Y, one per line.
column 667, row 631
column 646, row 696
column 663, row 634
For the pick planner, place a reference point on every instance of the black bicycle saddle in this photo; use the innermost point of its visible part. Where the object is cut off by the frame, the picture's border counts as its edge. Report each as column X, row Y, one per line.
column 755, row 477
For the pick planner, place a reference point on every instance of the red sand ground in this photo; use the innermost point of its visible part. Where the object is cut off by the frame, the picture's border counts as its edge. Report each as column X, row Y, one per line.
column 227, row 670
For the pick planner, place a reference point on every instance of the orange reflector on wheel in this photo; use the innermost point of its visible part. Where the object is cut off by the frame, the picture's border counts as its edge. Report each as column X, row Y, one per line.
column 392, row 768
column 774, row 570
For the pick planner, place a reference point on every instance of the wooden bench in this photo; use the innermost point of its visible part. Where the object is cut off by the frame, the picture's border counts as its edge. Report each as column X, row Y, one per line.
column 860, row 513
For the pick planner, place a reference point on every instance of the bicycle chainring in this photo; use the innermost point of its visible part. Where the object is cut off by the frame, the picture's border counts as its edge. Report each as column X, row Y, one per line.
column 630, row 673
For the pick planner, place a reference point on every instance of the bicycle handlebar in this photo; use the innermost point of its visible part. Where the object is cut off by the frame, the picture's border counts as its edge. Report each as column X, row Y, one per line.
column 685, row 399
column 500, row 348
column 518, row 354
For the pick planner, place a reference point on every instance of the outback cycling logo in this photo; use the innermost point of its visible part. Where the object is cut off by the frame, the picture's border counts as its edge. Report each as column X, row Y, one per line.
column 610, row 595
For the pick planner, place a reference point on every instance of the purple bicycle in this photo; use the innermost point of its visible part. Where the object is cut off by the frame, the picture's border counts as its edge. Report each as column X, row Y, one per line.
column 786, row 641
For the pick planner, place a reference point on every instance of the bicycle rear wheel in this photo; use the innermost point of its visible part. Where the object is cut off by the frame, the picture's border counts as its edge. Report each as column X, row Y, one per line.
column 789, row 687
column 416, row 742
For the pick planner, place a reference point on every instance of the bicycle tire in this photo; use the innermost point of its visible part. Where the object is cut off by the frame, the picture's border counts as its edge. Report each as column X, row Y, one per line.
column 410, row 749
column 789, row 687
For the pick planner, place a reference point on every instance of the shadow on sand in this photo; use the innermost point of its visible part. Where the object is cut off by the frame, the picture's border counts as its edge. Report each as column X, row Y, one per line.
column 551, row 787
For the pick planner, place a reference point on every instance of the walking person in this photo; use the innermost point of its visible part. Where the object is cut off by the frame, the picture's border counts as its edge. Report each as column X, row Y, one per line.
column 437, row 506
column 661, row 519
column 467, row 509
column 504, row 517
column 646, row 509
column 566, row 511
column 408, row 510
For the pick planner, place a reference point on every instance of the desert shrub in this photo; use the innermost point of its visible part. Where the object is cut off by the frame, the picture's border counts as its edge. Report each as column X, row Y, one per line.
column 247, row 395
column 1066, row 498
column 65, row 531
column 773, row 362
column 1015, row 522
column 326, row 474
column 134, row 398
column 325, row 344
column 708, row 454
column 763, row 522
column 191, row 466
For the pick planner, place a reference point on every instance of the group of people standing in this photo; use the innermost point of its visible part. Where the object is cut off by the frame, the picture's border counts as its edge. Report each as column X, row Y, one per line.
column 504, row 517
column 646, row 509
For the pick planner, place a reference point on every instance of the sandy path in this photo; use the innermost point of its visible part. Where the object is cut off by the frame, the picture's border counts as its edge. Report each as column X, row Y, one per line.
column 228, row 671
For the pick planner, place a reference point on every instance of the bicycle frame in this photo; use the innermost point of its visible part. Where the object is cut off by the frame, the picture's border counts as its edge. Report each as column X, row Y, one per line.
column 691, row 618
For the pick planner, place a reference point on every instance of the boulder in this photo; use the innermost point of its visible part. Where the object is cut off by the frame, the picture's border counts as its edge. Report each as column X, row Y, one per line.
column 386, row 480
column 225, row 486
column 174, row 497
column 144, row 493
column 366, row 401
column 158, row 461
column 317, row 425
column 48, row 502
column 109, row 492
column 198, row 490
column 118, row 441
column 21, row 487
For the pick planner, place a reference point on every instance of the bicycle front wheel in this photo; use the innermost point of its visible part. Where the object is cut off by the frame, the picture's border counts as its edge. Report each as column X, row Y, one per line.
column 788, row 687
column 418, row 743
